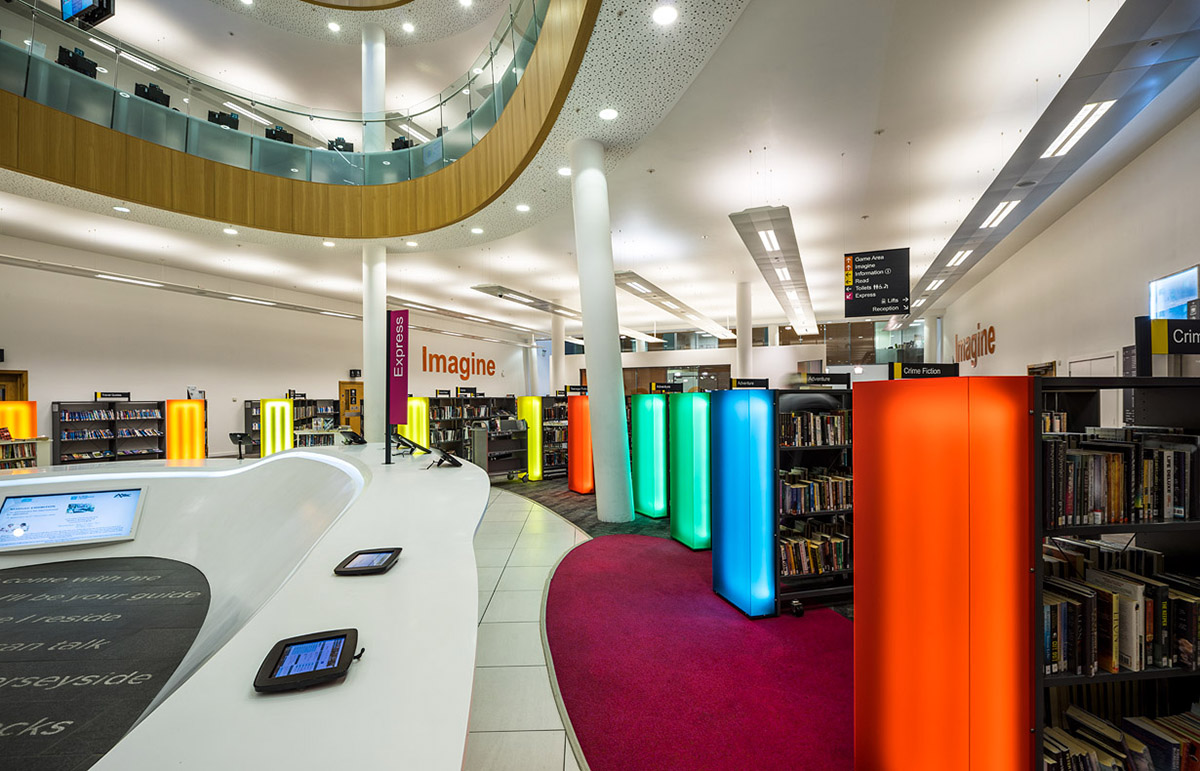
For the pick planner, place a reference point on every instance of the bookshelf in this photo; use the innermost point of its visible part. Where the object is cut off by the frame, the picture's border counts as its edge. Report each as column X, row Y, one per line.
column 24, row 453
column 499, row 446
column 554, row 436
column 1142, row 526
column 815, row 510
column 315, row 421
column 961, row 558
column 102, row 431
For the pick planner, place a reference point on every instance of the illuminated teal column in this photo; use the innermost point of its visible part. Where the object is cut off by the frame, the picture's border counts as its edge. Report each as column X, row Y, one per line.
column 743, row 499
column 648, row 414
column 689, row 470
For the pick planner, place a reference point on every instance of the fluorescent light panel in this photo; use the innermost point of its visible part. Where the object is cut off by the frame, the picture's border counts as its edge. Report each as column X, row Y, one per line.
column 139, row 62
column 124, row 280
column 996, row 217
column 250, row 115
column 918, row 303
column 1080, row 125
column 935, row 284
column 960, row 258
column 250, row 300
column 770, row 242
column 784, row 274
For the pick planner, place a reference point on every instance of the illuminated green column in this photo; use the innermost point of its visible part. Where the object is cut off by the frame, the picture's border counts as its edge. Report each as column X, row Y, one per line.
column 649, row 461
column 691, row 510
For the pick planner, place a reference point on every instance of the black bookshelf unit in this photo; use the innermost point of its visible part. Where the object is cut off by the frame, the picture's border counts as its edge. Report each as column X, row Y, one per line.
column 815, row 510
column 104, row 431
column 451, row 417
column 554, row 436
column 1071, row 406
column 315, row 422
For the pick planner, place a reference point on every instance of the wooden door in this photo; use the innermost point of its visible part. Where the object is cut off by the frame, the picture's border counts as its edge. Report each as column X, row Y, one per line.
column 14, row 386
column 350, row 394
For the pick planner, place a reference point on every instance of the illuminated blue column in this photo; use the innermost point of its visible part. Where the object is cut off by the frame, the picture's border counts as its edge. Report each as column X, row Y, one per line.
column 743, row 499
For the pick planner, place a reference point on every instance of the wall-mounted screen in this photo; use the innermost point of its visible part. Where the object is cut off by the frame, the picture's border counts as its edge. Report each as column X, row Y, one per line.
column 72, row 8
column 69, row 519
column 1169, row 296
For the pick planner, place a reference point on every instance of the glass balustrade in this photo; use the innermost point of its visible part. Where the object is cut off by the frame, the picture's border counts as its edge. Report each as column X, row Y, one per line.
column 98, row 78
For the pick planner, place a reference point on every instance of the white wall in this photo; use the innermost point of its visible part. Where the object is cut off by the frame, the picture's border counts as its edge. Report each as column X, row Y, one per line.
column 773, row 362
column 1074, row 290
column 79, row 335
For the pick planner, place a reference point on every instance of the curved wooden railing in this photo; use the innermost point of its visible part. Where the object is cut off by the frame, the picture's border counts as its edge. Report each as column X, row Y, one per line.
column 53, row 145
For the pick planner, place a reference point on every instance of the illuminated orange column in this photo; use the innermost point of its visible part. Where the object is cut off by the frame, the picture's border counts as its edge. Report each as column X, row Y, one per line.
column 20, row 418
column 185, row 429
column 580, row 477
column 942, row 582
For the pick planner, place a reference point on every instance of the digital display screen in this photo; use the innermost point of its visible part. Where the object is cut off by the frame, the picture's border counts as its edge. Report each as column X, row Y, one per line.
column 1169, row 296
column 370, row 559
column 302, row 658
column 65, row 518
column 72, row 8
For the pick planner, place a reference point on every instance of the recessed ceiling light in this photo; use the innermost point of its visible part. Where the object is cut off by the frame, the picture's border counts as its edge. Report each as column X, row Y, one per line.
column 996, row 217
column 465, row 3
column 122, row 209
column 339, row 315
column 335, row 27
column 919, row 303
column 101, row 44
column 411, row 243
column 609, row 113
column 230, row 232
column 522, row 207
column 665, row 14
column 960, row 258
column 125, row 95
column 671, row 305
column 328, row 243
column 858, row 370
column 478, row 70
column 784, row 274
column 408, row 27
column 249, row 300
column 639, row 287
column 466, row 90
column 476, row 318
column 519, row 299
column 187, row 100
column 139, row 62
column 477, row 231
column 1070, row 136
column 124, row 280
column 247, row 2
column 935, row 284
column 102, row 70
column 770, row 242
column 387, row 163
column 565, row 171
column 295, row 171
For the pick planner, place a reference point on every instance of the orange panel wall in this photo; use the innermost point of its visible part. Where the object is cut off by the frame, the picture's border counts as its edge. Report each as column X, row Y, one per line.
column 580, row 476
column 185, row 429
column 20, row 418
column 943, row 547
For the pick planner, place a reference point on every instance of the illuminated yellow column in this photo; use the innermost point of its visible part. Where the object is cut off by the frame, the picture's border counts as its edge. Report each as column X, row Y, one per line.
column 417, row 428
column 529, row 409
column 185, row 429
column 277, row 426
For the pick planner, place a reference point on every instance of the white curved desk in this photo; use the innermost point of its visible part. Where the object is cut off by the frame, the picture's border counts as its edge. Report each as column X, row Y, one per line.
column 405, row 704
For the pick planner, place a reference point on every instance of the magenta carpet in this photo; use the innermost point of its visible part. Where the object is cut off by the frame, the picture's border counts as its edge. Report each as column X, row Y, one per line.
column 659, row 673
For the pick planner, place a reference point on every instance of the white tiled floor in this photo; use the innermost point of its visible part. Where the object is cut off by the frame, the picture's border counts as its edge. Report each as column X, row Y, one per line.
column 515, row 725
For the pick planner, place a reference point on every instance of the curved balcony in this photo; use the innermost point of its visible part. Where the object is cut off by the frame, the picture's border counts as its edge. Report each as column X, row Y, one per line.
column 109, row 135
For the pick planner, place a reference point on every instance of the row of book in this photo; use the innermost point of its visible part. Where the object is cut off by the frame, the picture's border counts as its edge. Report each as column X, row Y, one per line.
column 804, row 491
column 1054, row 422
column 69, row 456
column 458, row 413
column 815, row 549
column 554, row 435
column 88, row 433
column 554, row 459
column 1120, row 476
column 1087, row 742
column 139, row 415
column 16, row 451
column 314, row 440
column 85, row 415
column 128, row 433
column 139, row 452
column 7, row 464
column 815, row 429
column 1107, row 609
column 439, row 436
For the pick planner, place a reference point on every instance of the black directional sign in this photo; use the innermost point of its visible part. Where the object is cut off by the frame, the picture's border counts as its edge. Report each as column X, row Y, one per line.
column 877, row 283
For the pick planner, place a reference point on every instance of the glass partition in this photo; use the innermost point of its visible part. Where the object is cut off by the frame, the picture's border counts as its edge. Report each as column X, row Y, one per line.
column 99, row 78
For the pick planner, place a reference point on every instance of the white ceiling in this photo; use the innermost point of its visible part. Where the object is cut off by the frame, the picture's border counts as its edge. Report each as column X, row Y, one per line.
column 282, row 51
column 878, row 122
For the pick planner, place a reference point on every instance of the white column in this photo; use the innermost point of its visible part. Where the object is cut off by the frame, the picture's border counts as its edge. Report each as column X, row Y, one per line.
column 773, row 335
column 745, row 331
column 558, row 352
column 374, row 341
column 601, row 332
column 374, row 80
column 533, row 378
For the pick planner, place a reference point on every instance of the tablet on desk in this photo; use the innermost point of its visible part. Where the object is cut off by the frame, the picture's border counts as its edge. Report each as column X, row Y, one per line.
column 368, row 562
column 307, row 660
